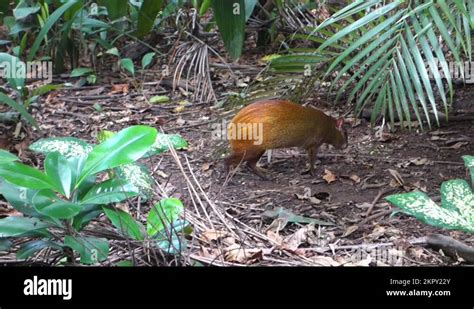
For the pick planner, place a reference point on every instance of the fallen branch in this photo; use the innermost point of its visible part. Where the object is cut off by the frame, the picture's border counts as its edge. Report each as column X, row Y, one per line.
column 452, row 247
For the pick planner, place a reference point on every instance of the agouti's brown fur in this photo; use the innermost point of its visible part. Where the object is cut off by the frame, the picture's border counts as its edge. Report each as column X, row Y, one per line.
column 281, row 124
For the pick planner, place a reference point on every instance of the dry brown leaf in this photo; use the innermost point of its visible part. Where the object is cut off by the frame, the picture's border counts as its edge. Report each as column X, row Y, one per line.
column 458, row 145
column 329, row 176
column 363, row 262
column 10, row 212
column 420, row 161
column 397, row 177
column 292, row 242
column 179, row 109
column 124, row 207
column 211, row 235
column 120, row 88
column 351, row 229
column 314, row 200
column 311, row 199
column 205, row 166
column 355, row 178
column 301, row 196
column 278, row 224
column 385, row 137
column 275, row 236
column 377, row 232
column 416, row 252
column 235, row 253
column 324, row 261
column 95, row 91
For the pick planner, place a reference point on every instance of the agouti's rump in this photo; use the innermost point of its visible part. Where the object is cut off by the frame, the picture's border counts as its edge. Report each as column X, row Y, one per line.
column 272, row 124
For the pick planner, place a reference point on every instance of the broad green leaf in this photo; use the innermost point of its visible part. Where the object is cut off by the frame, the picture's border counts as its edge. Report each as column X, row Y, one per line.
column 125, row 223
column 19, row 198
column 147, row 59
column 87, row 214
column 45, row 89
column 57, row 168
column 6, row 157
column 91, row 249
column 124, row 147
column 47, row 203
column 172, row 247
column 104, row 134
column 159, row 99
column 31, row 247
column 66, row 146
column 171, row 241
column 78, row 72
column 19, row 108
column 24, row 11
column 9, row 63
column 24, row 176
column 113, row 51
column 127, row 64
column 5, row 243
column 163, row 214
column 50, row 22
column 17, row 226
column 206, row 4
column 161, row 143
column 109, row 191
column 146, row 16
column 230, row 18
column 91, row 79
column 249, row 7
column 116, row 8
column 139, row 177
column 4, row 9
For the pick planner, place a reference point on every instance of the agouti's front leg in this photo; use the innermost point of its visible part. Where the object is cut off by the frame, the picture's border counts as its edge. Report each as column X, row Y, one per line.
column 312, row 151
column 252, row 159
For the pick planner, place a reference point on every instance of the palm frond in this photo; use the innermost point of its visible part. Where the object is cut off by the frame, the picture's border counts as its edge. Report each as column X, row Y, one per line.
column 395, row 53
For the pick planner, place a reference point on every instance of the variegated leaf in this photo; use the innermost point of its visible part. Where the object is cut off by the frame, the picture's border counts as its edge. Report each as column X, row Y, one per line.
column 66, row 146
column 423, row 208
column 457, row 195
column 138, row 176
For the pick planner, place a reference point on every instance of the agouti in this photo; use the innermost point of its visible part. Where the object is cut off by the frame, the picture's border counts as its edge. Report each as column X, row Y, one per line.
column 272, row 124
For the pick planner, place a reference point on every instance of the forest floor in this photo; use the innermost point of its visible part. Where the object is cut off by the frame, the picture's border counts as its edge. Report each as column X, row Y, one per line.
column 253, row 221
column 338, row 217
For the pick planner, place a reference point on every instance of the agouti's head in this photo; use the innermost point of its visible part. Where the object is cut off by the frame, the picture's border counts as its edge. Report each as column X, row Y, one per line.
column 339, row 139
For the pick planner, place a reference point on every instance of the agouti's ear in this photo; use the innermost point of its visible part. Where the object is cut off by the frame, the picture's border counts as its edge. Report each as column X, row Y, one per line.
column 339, row 123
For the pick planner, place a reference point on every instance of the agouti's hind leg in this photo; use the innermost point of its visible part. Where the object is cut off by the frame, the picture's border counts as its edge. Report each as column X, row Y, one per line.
column 252, row 159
